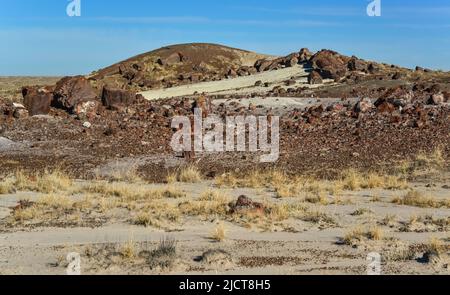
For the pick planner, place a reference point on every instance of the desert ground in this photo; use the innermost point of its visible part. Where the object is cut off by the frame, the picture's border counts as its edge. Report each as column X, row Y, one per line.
column 364, row 166
column 306, row 226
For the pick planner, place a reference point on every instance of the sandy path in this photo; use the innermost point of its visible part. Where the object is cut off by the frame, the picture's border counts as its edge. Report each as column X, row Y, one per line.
column 227, row 85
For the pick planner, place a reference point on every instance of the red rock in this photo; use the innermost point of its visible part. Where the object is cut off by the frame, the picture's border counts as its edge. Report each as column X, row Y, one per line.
column 87, row 109
column 258, row 83
column 117, row 98
column 446, row 95
column 315, row 78
column 37, row 100
column 232, row 73
column 436, row 99
column 356, row 64
column 364, row 105
column 291, row 60
column 335, row 107
column 290, row 82
column 172, row 59
column 263, row 65
column 386, row 107
column 304, row 55
column 70, row 91
column 331, row 64
column 245, row 205
column 19, row 111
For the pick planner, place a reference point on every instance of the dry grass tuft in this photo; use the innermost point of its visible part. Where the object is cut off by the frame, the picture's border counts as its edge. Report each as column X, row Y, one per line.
column 164, row 257
column 50, row 182
column 204, row 208
column 423, row 164
column 146, row 219
column 190, row 174
column 213, row 195
column 318, row 217
column 219, row 233
column 433, row 160
column 171, row 178
column 436, row 246
column 53, row 209
column 46, row 182
column 353, row 180
column 133, row 192
column 7, row 186
column 418, row 199
column 308, row 187
column 361, row 211
column 125, row 173
column 388, row 220
column 128, row 250
column 358, row 234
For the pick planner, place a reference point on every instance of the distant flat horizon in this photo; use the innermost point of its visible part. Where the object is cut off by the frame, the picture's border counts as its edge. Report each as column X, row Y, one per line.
column 114, row 62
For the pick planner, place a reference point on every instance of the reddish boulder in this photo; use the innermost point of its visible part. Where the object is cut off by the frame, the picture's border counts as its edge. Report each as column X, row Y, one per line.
column 398, row 76
column 335, row 107
column 252, row 70
column 5, row 109
column 37, row 100
column 436, row 99
column 386, row 107
column 331, row 64
column 232, row 73
column 315, row 78
column 262, row 65
column 70, row 91
column 364, row 105
column 117, row 98
column 446, row 95
column 290, row 82
column 245, row 205
column 356, row 64
column 291, row 60
column 195, row 77
column 87, row 109
column 172, row 59
column 19, row 111
column 373, row 68
column 127, row 71
column 304, row 55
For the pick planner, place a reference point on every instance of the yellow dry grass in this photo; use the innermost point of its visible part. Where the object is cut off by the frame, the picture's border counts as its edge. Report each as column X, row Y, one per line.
column 46, row 182
column 359, row 234
column 418, row 199
column 190, row 174
column 425, row 163
column 219, row 233
column 353, row 180
column 7, row 186
column 128, row 250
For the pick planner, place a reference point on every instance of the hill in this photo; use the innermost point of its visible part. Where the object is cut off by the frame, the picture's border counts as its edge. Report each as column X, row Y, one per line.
column 175, row 65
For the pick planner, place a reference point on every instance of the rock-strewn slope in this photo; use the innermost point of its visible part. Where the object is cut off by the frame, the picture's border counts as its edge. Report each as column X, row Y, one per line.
column 177, row 65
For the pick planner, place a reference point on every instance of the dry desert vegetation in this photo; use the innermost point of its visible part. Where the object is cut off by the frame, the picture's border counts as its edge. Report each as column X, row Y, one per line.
column 267, row 222
column 86, row 167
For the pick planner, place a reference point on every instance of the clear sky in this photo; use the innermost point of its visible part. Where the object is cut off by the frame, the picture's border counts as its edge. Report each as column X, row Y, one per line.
column 38, row 38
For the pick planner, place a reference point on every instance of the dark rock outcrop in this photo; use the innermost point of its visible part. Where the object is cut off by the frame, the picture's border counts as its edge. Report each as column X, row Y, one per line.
column 117, row 98
column 37, row 100
column 70, row 91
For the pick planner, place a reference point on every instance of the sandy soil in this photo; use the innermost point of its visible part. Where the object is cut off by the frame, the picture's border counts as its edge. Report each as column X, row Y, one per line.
column 292, row 246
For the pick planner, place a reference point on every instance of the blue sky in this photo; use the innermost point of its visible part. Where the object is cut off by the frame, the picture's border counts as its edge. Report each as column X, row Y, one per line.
column 38, row 38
